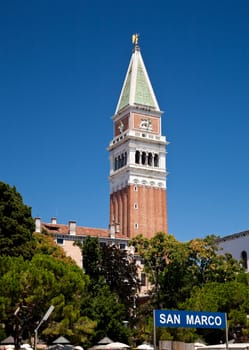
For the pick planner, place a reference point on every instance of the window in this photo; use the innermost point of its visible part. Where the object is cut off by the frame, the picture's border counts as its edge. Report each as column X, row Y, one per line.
column 135, row 206
column 120, row 161
column 135, row 188
column 137, row 157
column 144, row 158
column 244, row 259
column 147, row 158
column 136, row 226
column 116, row 164
column 156, row 160
column 60, row 241
column 150, row 159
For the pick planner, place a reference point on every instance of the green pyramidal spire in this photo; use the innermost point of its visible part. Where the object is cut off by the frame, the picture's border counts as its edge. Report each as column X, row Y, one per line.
column 137, row 89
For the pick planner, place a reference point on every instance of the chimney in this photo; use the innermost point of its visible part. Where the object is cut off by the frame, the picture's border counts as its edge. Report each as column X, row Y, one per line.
column 53, row 221
column 38, row 225
column 112, row 231
column 72, row 227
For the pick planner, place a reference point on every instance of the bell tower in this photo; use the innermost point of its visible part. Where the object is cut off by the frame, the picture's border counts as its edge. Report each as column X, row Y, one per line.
column 137, row 157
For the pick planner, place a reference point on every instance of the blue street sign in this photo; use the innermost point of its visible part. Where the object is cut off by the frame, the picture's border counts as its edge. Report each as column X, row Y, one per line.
column 189, row 319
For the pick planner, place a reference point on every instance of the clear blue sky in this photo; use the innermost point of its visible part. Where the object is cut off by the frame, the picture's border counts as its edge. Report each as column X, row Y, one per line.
column 62, row 66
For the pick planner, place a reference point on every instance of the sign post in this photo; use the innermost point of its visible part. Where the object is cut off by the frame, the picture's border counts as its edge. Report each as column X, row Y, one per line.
column 226, row 334
column 154, row 328
column 189, row 319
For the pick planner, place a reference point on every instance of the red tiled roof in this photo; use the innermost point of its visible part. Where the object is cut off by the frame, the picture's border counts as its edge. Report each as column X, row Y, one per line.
column 80, row 230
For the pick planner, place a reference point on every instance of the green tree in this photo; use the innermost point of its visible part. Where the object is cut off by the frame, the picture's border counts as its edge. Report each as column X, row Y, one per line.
column 120, row 272
column 117, row 267
column 156, row 253
column 231, row 297
column 28, row 288
column 16, row 224
column 91, row 257
column 176, row 269
column 191, row 264
column 104, row 307
column 207, row 265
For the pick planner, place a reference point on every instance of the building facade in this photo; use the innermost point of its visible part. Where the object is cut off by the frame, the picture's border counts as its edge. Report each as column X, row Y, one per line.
column 237, row 245
column 66, row 236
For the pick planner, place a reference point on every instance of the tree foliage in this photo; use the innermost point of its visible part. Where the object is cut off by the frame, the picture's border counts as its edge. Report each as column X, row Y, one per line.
column 89, row 304
column 91, row 257
column 28, row 288
column 120, row 272
column 115, row 266
column 104, row 307
column 16, row 224
column 184, row 276
column 231, row 297
column 35, row 273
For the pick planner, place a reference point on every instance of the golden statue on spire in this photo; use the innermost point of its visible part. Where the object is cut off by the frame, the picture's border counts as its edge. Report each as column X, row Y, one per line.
column 135, row 39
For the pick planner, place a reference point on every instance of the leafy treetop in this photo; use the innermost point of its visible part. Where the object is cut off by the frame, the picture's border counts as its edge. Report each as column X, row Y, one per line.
column 16, row 224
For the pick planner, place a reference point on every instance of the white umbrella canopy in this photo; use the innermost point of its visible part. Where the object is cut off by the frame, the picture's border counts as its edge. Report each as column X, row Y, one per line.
column 98, row 347
column 199, row 345
column 145, row 347
column 26, row 347
column 115, row 345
